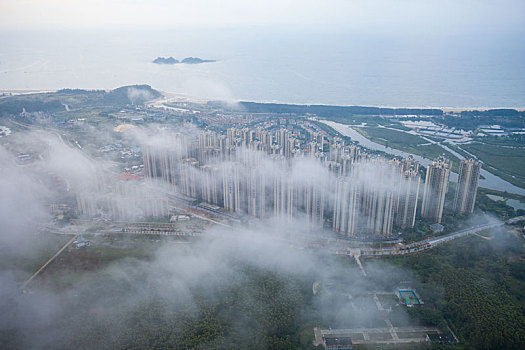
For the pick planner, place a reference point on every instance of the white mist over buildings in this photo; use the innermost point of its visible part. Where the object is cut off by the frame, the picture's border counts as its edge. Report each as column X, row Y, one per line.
column 275, row 174
column 465, row 198
column 263, row 174
column 267, row 174
column 436, row 187
column 311, row 179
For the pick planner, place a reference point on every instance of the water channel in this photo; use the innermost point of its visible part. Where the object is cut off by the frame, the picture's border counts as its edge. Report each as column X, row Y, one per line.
column 490, row 180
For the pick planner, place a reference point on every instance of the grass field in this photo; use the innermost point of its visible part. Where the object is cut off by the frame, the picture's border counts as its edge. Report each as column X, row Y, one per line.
column 406, row 142
column 398, row 126
column 459, row 150
column 393, row 136
column 27, row 257
column 358, row 119
column 75, row 265
column 509, row 163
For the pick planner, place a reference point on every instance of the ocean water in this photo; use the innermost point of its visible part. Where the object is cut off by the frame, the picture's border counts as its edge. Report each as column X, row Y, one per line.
column 286, row 65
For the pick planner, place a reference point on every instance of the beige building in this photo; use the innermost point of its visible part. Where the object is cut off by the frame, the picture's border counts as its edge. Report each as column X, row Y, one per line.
column 467, row 187
column 407, row 202
column 436, row 187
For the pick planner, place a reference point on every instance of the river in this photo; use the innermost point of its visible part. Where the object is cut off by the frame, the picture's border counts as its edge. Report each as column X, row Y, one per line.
column 489, row 181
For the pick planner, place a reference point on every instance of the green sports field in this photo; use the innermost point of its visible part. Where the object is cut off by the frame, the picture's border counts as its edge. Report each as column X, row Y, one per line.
column 409, row 297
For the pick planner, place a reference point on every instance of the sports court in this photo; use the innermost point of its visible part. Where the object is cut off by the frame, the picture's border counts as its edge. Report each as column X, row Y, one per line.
column 409, row 297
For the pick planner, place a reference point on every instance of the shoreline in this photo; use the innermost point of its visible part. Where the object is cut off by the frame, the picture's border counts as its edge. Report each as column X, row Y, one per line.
column 202, row 99
column 444, row 109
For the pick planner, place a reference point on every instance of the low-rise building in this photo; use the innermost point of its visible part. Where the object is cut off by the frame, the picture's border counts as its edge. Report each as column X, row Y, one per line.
column 437, row 228
column 338, row 343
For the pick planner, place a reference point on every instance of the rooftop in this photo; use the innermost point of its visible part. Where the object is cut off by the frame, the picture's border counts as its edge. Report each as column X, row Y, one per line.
column 338, row 341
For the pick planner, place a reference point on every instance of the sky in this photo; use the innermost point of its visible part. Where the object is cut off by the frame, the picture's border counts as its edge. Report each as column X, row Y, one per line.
column 354, row 14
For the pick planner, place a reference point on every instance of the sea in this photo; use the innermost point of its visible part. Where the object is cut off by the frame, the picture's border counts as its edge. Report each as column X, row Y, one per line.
column 291, row 65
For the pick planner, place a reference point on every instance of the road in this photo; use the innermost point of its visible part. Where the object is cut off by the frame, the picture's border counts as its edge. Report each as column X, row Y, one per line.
column 336, row 246
column 515, row 220
column 419, row 246
column 24, row 285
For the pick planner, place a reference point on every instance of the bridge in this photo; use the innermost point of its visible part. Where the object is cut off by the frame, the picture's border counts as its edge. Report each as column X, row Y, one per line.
column 515, row 220
column 419, row 246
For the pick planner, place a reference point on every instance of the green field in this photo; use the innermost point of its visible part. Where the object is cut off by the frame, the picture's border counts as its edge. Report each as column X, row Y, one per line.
column 392, row 136
column 398, row 126
column 358, row 119
column 407, row 142
column 30, row 254
column 506, row 162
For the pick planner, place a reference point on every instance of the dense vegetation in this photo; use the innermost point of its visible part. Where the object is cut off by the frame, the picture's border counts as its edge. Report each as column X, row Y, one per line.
column 476, row 286
column 13, row 105
column 502, row 112
column 254, row 308
column 75, row 98
column 472, row 285
column 471, row 120
column 499, row 208
column 328, row 111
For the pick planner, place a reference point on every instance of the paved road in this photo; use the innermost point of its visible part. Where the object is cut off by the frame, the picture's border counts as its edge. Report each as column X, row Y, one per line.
column 419, row 246
column 515, row 220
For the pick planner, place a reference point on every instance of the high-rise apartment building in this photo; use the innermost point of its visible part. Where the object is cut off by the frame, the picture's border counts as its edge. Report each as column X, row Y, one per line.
column 436, row 186
column 211, row 185
column 231, row 188
column 251, row 171
column 346, row 207
column 188, row 170
column 469, row 170
column 407, row 201
column 256, row 193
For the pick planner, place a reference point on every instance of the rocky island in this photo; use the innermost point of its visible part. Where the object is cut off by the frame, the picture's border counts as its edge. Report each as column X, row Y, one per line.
column 195, row 60
column 165, row 60
column 187, row 60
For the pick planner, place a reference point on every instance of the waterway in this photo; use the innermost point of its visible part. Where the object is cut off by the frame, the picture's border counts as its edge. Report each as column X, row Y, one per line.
column 516, row 204
column 489, row 180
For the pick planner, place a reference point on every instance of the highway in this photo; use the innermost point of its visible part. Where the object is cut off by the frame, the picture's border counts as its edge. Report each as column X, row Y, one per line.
column 336, row 246
column 415, row 247
column 515, row 220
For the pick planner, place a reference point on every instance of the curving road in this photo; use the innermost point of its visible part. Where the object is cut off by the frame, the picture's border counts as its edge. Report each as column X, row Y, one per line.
column 419, row 246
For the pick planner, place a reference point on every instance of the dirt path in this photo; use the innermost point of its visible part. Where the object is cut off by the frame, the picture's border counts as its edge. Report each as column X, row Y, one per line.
column 24, row 285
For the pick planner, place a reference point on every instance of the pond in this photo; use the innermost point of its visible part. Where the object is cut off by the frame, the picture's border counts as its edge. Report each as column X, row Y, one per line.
column 514, row 203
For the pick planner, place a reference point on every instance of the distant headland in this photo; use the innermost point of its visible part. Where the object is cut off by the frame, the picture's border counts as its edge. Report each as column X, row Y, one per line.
column 187, row 60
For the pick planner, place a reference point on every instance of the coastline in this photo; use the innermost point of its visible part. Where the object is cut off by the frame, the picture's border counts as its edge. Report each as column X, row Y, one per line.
column 201, row 99
column 24, row 92
column 444, row 109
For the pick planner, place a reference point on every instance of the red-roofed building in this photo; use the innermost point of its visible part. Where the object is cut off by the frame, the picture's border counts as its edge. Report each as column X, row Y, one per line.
column 128, row 177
